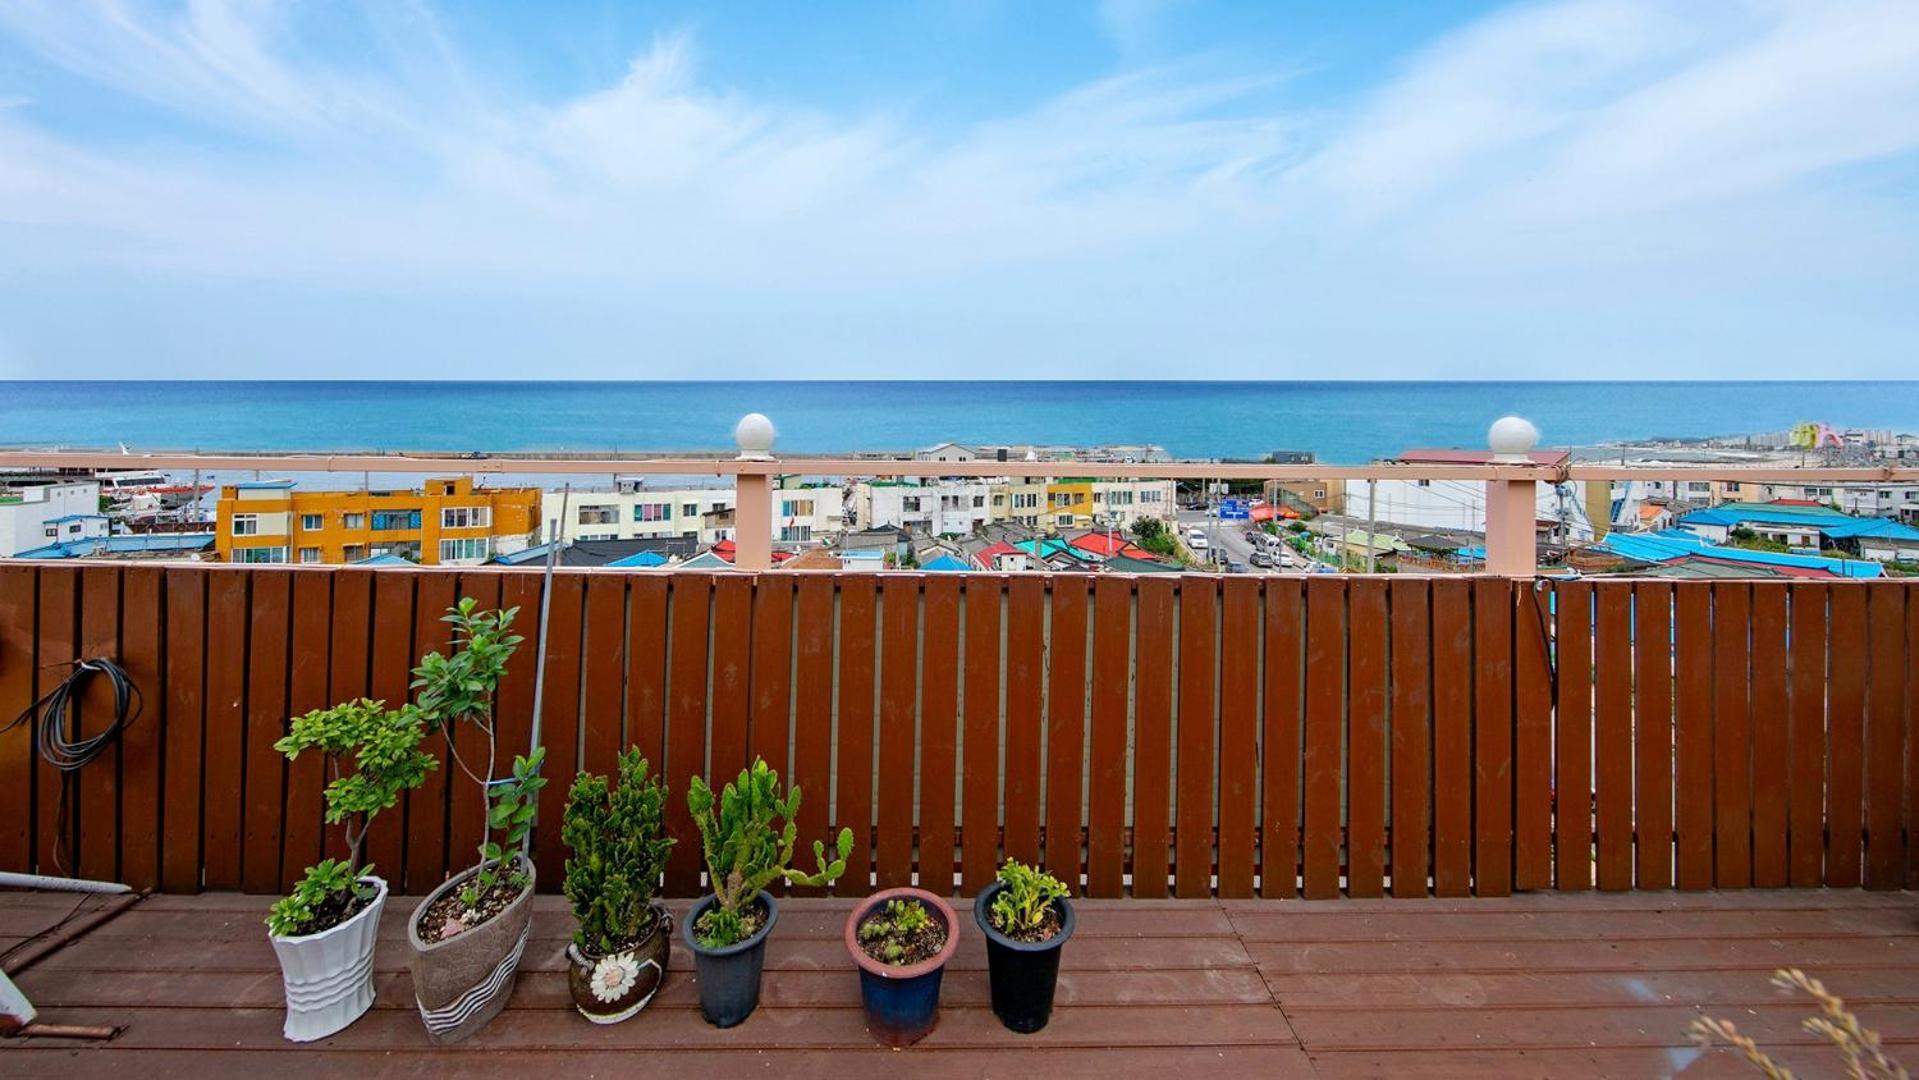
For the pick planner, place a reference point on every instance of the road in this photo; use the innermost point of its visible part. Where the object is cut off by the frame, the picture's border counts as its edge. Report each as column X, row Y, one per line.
column 1229, row 538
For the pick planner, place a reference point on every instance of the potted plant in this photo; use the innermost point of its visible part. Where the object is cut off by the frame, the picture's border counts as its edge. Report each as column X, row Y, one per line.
column 468, row 934
column 325, row 930
column 1026, row 918
column 901, row 939
column 727, row 929
column 618, row 957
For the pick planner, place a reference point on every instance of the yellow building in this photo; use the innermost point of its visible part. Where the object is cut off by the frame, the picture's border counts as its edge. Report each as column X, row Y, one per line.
column 445, row 523
column 1021, row 501
column 1069, row 503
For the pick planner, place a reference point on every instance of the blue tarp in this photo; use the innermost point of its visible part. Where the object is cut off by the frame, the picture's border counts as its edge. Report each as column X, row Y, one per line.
column 147, row 543
column 640, row 559
column 945, row 564
column 1678, row 544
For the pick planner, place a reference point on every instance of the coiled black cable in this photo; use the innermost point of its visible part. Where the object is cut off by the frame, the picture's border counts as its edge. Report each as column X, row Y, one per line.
column 60, row 745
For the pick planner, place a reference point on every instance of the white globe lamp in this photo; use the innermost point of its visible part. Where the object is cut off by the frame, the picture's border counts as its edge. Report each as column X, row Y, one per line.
column 754, row 436
column 1512, row 439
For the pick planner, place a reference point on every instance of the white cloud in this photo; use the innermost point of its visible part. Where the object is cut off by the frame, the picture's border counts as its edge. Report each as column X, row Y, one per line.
column 1576, row 161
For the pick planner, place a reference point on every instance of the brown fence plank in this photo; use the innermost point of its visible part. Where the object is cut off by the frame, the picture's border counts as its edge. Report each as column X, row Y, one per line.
column 772, row 670
column 1452, row 737
column 1770, row 750
column 1846, row 694
column 1885, row 736
column 559, row 723
column 270, row 625
column 1532, row 739
column 1572, row 803
column 1280, row 745
column 1492, row 737
column 1612, row 733
column 1806, row 775
column 392, row 659
column 1153, row 738
column 1106, row 787
column 732, row 658
column 304, row 842
column 182, row 777
column 58, row 634
column 1066, row 726
column 1652, row 713
column 979, row 803
column 142, row 625
column 1366, row 740
column 691, row 604
column 853, row 751
column 813, row 706
column 1412, row 754
column 226, row 659
column 1198, row 668
column 899, row 680
column 939, row 731
column 349, row 664
column 1325, row 687
column 19, row 597
column 426, row 806
column 1912, row 742
column 603, row 689
column 646, row 672
column 1731, row 735
column 466, row 812
column 1025, row 688
column 1240, row 616
column 98, row 820
column 1692, row 735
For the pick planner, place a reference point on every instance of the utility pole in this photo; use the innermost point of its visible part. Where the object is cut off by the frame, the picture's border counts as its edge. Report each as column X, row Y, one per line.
column 1372, row 522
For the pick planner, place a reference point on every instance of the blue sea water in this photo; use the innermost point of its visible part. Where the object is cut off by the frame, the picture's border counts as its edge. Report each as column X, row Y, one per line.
column 1340, row 421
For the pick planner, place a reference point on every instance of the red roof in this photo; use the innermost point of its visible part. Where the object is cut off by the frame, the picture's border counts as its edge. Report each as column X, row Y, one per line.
column 1474, row 457
column 1101, row 544
column 1796, row 502
column 725, row 549
column 984, row 557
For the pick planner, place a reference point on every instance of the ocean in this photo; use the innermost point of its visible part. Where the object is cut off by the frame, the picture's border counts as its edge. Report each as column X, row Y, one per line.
column 1342, row 422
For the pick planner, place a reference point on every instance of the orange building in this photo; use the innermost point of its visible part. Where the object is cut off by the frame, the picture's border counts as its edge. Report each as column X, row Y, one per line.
column 445, row 523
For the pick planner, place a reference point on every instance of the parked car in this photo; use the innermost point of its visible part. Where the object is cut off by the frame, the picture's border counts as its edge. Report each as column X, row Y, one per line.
column 1234, row 566
column 1262, row 557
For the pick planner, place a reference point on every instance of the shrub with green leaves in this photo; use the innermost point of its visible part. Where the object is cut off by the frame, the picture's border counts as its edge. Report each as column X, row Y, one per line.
column 618, row 851
column 744, row 853
column 1020, row 907
column 384, row 747
column 515, row 802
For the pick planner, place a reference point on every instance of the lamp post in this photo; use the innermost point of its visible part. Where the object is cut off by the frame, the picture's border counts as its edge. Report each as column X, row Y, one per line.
column 1511, row 505
column 753, row 494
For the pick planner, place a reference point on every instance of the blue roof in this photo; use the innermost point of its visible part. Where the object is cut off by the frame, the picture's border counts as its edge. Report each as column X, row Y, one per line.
column 946, row 564
column 640, row 559
column 122, row 545
column 385, row 558
column 263, row 485
column 1678, row 544
column 77, row 517
column 1831, row 522
column 536, row 553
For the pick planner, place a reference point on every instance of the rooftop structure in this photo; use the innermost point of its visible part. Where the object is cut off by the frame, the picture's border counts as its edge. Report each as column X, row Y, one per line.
column 446, row 522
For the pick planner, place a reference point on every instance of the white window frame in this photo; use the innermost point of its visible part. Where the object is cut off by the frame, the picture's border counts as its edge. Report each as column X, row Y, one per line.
column 462, row 548
column 353, row 520
column 467, row 517
column 246, row 525
column 312, row 522
column 315, row 554
column 260, row 555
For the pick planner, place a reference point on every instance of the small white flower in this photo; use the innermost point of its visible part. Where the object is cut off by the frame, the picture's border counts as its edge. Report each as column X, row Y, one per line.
column 614, row 976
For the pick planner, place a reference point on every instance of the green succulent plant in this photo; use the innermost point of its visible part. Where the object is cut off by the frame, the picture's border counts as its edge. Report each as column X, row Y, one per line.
column 618, row 850
column 745, row 853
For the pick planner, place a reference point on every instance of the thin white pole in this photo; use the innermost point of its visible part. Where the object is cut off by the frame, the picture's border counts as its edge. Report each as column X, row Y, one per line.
column 546, row 609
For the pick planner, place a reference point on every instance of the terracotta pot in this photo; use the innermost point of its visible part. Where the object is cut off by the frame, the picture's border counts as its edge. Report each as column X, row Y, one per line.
column 463, row 982
column 329, row 975
column 901, row 1001
column 648, row 963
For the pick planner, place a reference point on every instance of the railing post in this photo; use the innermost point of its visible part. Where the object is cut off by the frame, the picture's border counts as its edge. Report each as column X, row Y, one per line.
column 753, row 494
column 1511, row 505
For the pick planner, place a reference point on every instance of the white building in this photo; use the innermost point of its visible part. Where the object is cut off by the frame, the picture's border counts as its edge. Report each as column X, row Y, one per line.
column 1461, row 504
column 34, row 517
column 1121, row 502
column 800, row 514
column 947, row 451
column 934, row 508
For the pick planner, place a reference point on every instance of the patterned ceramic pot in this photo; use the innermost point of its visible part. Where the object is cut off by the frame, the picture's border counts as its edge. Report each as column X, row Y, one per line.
column 463, row 982
column 329, row 975
column 609, row 989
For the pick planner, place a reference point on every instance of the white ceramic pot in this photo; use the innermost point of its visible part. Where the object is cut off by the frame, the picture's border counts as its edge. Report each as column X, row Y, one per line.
column 329, row 975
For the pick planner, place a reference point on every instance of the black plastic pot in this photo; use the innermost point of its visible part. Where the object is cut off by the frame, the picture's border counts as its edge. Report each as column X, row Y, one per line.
column 729, row 978
column 902, row 1003
column 1023, row 975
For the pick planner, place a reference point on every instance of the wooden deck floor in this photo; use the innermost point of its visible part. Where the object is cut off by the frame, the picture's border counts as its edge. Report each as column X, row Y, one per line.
column 1550, row 985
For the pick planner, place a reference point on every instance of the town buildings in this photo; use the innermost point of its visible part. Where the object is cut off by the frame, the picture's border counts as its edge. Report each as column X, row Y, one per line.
column 802, row 513
column 1574, row 511
column 40, row 515
column 447, row 522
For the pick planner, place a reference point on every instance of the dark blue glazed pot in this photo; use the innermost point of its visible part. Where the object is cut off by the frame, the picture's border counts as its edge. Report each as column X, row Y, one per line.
column 729, row 978
column 1023, row 974
column 902, row 1003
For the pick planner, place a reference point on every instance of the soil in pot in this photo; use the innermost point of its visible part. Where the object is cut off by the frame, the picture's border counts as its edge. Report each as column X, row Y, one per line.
column 901, row 934
column 449, row 916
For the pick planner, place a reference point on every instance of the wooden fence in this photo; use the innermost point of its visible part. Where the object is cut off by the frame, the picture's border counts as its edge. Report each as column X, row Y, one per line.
column 1165, row 735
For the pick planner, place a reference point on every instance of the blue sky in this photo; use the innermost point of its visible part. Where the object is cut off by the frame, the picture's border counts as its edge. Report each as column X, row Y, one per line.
column 1134, row 188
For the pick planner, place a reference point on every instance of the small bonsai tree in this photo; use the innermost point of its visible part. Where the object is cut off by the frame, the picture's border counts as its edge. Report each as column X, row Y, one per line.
column 387, row 759
column 459, row 687
column 618, row 852
column 744, row 853
column 1020, row 908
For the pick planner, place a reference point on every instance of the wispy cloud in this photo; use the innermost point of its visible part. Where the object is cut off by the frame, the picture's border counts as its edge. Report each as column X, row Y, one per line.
column 1552, row 186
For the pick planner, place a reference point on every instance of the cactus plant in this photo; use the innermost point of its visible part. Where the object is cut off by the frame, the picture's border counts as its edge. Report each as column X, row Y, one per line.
column 618, row 852
column 744, row 853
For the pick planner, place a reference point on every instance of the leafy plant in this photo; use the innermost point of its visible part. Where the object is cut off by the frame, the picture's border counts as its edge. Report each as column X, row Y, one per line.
column 1021, row 904
column 1857, row 1044
column 460, row 687
column 384, row 746
column 743, row 851
column 618, row 851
